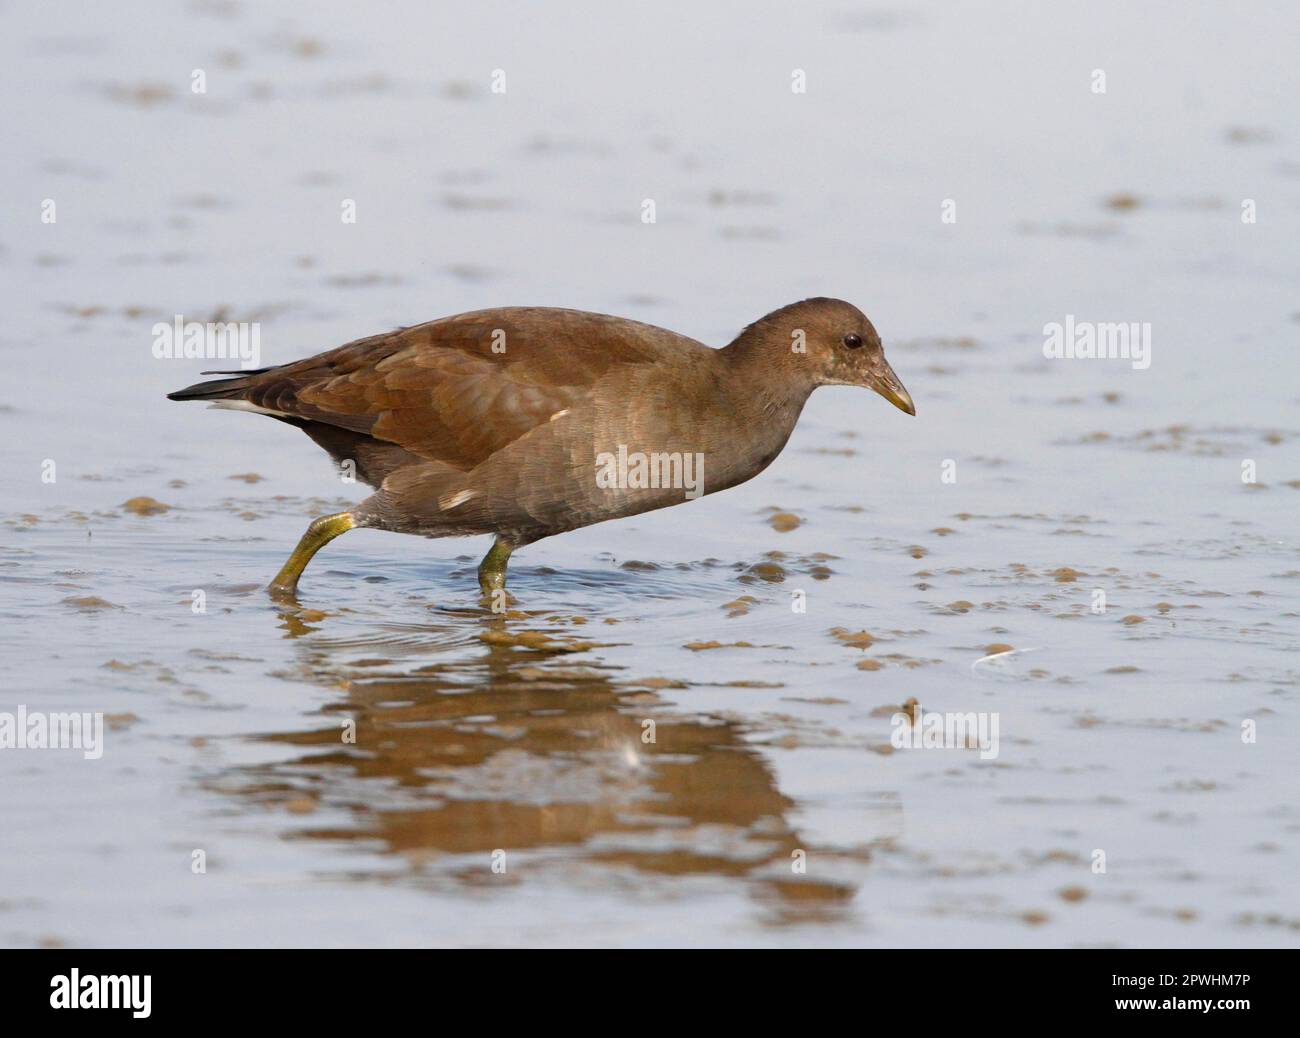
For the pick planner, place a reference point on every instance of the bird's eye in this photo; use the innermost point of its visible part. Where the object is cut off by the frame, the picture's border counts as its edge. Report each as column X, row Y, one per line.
column 852, row 341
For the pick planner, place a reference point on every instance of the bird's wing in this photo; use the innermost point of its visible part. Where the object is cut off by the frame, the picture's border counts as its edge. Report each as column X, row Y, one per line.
column 458, row 390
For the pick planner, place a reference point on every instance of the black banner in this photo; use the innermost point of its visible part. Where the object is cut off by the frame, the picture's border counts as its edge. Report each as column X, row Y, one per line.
column 145, row 987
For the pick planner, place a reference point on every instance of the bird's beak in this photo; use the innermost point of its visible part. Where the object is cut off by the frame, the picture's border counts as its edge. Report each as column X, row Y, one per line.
column 887, row 384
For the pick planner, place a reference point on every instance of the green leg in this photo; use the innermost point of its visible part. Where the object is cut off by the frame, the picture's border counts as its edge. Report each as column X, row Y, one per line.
column 492, row 570
column 319, row 533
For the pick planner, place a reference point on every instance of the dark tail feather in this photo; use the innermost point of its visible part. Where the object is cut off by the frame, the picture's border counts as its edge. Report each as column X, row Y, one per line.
column 218, row 389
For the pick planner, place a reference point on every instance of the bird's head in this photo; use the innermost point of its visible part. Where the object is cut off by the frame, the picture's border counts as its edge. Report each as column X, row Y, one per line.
column 828, row 342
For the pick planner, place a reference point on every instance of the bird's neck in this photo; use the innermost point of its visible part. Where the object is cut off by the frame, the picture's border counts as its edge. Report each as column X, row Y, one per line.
column 772, row 383
column 767, row 395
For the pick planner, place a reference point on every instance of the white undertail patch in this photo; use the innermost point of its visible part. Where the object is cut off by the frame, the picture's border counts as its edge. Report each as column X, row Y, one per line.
column 244, row 405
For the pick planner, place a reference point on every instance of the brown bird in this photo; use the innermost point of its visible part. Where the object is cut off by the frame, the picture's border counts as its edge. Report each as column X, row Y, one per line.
column 524, row 422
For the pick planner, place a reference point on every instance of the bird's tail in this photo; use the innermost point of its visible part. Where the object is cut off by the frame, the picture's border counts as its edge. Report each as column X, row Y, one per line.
column 221, row 388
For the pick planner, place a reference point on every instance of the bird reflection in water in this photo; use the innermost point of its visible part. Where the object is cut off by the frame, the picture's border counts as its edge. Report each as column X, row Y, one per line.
column 466, row 744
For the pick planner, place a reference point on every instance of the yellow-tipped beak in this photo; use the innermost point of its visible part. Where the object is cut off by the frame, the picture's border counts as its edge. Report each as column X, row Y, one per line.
column 888, row 385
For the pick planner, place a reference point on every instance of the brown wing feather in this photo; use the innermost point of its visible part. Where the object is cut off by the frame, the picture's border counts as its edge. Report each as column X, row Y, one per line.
column 441, row 392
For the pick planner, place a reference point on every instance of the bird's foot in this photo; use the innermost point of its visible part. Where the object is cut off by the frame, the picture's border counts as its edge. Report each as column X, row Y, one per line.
column 284, row 587
column 492, row 576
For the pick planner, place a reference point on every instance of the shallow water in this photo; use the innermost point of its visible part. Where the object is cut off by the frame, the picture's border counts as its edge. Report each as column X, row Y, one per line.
column 1120, row 731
